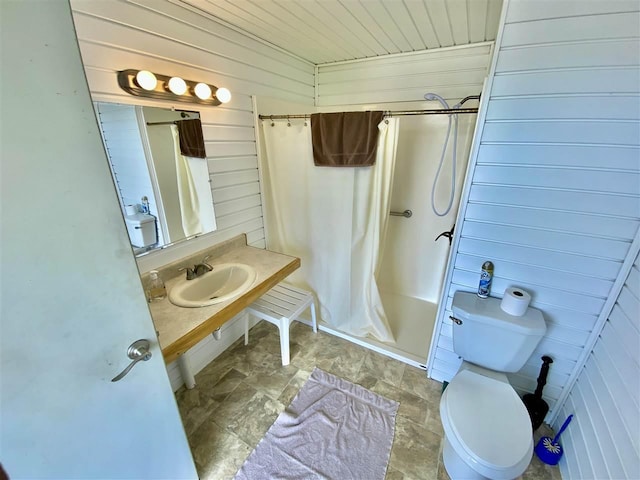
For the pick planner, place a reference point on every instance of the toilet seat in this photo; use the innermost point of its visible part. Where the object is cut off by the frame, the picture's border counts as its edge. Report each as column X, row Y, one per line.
column 487, row 425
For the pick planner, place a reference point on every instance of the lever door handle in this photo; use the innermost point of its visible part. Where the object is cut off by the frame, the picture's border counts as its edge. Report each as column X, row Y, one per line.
column 137, row 351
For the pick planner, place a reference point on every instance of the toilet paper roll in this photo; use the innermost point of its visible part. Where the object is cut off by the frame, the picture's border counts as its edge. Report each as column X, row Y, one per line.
column 515, row 301
column 131, row 209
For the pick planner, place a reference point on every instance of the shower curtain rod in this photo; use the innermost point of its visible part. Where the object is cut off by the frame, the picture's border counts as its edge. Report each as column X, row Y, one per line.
column 387, row 113
column 184, row 115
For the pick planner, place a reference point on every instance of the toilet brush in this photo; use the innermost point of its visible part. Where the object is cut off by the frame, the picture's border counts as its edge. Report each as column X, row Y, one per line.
column 534, row 403
column 549, row 450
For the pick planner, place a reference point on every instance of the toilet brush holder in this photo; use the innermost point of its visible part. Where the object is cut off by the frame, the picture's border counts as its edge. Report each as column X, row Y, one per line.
column 548, row 449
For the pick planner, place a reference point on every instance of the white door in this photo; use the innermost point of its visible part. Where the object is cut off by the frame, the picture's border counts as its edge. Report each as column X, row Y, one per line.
column 71, row 299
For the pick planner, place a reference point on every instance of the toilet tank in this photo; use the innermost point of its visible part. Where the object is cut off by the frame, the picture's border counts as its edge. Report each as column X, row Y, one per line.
column 142, row 229
column 490, row 337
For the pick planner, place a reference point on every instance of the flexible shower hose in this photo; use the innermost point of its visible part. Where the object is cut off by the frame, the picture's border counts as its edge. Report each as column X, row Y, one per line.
column 453, row 167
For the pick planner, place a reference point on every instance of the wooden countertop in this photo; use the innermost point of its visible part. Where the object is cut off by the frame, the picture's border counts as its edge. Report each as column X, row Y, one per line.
column 181, row 328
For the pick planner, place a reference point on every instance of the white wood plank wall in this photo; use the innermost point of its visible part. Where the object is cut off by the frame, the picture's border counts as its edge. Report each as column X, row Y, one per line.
column 171, row 39
column 603, row 441
column 452, row 73
column 553, row 197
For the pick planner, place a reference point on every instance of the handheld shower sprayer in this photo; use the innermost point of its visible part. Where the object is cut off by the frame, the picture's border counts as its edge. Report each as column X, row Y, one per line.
column 445, row 105
column 434, row 96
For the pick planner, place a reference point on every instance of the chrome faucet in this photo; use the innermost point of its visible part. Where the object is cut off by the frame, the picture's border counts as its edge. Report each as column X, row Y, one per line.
column 201, row 269
column 198, row 269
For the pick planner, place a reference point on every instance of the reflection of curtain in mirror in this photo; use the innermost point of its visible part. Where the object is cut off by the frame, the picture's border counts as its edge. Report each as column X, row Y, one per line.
column 187, row 194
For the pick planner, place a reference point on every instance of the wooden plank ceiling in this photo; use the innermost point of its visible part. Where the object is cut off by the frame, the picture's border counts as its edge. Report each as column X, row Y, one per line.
column 325, row 31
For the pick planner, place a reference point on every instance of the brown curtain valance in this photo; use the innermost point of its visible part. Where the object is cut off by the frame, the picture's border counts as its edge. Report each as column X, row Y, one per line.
column 191, row 138
column 346, row 139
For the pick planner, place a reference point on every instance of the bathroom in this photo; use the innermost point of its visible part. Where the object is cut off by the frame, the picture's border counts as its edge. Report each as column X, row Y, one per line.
column 567, row 246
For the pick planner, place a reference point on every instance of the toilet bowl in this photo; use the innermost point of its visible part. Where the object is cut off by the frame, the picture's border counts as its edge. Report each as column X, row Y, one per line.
column 487, row 428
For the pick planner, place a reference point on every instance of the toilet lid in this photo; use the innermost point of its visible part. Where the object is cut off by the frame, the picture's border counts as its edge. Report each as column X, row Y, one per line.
column 487, row 419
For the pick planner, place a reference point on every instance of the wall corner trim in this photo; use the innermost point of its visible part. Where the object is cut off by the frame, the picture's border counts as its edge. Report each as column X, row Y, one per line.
column 464, row 198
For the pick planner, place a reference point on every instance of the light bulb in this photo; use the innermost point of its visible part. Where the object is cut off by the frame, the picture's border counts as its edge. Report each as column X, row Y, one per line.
column 146, row 80
column 223, row 95
column 203, row 91
column 177, row 85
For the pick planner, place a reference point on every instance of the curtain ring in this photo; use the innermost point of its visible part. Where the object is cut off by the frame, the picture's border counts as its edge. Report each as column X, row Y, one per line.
column 272, row 124
column 305, row 121
column 288, row 122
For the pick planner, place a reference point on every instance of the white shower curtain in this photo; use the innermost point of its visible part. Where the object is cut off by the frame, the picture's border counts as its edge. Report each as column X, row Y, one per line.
column 187, row 191
column 335, row 220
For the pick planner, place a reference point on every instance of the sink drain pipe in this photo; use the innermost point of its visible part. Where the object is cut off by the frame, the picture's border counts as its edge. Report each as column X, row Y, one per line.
column 185, row 366
column 185, row 370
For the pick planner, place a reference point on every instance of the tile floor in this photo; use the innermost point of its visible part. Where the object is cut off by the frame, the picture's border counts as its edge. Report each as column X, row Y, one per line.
column 240, row 394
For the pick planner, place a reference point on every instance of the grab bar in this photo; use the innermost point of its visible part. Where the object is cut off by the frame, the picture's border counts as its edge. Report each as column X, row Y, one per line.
column 405, row 214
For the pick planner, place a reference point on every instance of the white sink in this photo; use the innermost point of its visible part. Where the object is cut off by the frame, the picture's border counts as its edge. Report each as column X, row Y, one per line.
column 224, row 282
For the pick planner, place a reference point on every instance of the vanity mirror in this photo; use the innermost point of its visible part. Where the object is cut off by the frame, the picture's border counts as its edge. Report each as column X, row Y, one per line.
column 160, row 171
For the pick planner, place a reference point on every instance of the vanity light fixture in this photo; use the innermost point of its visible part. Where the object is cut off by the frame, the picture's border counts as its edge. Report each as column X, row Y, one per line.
column 177, row 85
column 143, row 83
column 202, row 91
column 223, row 94
column 146, row 80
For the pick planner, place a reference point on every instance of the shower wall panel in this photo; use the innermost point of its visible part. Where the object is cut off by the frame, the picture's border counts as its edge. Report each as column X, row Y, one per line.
column 413, row 263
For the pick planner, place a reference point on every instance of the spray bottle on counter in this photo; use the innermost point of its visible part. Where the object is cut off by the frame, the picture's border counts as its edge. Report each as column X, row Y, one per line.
column 485, row 279
column 145, row 205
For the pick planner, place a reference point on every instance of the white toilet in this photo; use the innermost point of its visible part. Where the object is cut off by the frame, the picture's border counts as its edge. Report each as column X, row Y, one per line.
column 486, row 425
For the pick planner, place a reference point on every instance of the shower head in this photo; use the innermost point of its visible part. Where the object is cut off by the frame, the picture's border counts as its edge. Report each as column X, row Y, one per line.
column 433, row 96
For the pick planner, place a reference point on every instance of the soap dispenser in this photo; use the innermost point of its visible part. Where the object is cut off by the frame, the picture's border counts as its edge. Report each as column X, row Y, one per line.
column 156, row 290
